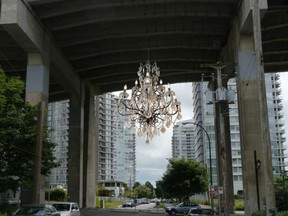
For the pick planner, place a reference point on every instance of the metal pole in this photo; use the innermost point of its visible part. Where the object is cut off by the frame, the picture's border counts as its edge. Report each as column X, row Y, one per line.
column 210, row 160
column 257, row 182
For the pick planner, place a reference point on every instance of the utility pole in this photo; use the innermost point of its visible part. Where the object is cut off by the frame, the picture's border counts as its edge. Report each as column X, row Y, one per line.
column 223, row 146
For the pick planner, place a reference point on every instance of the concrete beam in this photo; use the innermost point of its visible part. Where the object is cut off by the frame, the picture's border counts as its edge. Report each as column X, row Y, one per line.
column 39, row 2
column 18, row 19
column 241, row 25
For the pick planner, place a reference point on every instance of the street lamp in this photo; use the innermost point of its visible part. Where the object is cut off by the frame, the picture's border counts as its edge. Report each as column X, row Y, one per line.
column 210, row 160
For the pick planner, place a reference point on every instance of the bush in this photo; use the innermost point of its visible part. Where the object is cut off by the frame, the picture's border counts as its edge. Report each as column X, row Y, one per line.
column 263, row 213
column 56, row 194
column 239, row 205
column 259, row 213
column 281, row 200
column 236, row 196
column 5, row 207
column 284, row 213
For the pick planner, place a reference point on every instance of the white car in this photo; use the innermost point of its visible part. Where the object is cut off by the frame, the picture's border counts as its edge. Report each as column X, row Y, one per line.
column 67, row 208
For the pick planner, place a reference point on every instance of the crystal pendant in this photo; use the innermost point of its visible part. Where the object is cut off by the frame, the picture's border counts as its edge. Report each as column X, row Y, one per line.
column 179, row 116
column 162, row 129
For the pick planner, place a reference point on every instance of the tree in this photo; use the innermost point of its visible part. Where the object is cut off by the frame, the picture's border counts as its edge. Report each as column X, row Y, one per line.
column 142, row 191
column 159, row 191
column 184, row 178
column 136, row 184
column 149, row 185
column 18, row 130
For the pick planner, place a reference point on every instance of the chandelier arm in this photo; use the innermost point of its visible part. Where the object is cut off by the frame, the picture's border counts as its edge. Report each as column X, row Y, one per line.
column 130, row 108
column 163, row 107
column 134, row 94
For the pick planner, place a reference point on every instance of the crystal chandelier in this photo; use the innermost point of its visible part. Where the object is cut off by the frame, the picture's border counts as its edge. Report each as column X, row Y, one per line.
column 151, row 108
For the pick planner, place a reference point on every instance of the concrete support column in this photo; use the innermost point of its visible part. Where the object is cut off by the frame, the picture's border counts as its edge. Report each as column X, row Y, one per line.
column 37, row 79
column 254, row 128
column 75, row 151
column 37, row 83
column 89, row 196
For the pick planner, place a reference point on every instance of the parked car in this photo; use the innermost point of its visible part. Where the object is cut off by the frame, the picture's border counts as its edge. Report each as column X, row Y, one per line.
column 36, row 209
column 201, row 212
column 129, row 203
column 183, row 207
column 67, row 208
column 143, row 201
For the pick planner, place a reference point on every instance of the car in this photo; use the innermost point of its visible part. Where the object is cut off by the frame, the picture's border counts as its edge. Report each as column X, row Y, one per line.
column 201, row 212
column 183, row 207
column 67, row 208
column 36, row 209
column 128, row 203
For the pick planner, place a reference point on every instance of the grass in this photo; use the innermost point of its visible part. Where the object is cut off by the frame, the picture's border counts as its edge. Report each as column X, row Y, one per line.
column 109, row 203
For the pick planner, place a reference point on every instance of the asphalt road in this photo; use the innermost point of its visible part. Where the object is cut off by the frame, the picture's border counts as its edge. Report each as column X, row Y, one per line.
column 140, row 210
column 119, row 212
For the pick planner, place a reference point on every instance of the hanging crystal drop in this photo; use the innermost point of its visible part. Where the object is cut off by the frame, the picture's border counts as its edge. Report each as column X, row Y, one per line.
column 162, row 129
column 179, row 116
column 168, row 123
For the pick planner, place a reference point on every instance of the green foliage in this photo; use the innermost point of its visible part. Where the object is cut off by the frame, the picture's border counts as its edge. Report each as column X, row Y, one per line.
column 239, row 205
column 259, row 213
column 159, row 191
column 136, row 184
column 149, row 185
column 142, row 191
column 56, row 194
column 236, row 196
column 111, row 204
column 281, row 183
column 263, row 213
column 283, row 213
column 281, row 200
column 18, row 131
column 184, row 178
column 97, row 202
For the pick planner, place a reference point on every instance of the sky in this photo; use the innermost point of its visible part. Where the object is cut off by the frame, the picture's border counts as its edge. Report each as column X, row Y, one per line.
column 152, row 158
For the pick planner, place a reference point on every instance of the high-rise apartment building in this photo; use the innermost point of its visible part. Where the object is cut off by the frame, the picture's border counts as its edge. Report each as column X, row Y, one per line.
column 183, row 146
column 116, row 154
column 116, row 149
column 204, row 115
column 58, row 121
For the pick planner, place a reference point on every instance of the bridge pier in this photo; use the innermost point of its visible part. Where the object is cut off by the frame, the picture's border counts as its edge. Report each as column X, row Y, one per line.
column 252, row 132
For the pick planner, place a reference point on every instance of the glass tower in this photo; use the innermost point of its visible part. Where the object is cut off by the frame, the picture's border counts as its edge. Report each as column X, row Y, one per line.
column 116, row 154
column 204, row 115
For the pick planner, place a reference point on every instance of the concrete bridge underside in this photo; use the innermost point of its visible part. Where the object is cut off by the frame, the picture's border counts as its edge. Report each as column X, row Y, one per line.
column 77, row 49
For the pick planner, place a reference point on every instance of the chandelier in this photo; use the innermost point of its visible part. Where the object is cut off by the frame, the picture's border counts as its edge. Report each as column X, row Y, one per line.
column 151, row 108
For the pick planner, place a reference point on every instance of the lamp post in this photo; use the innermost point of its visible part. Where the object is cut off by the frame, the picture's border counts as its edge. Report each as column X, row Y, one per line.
column 210, row 160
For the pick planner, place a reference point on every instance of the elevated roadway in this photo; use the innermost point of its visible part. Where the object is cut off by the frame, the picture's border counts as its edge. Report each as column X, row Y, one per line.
column 69, row 49
column 103, row 42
